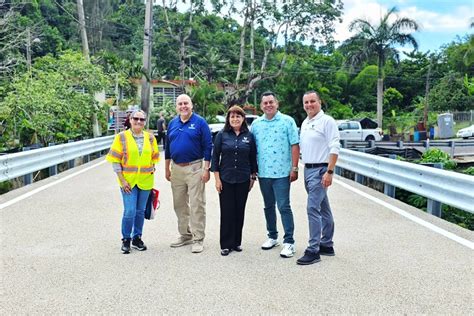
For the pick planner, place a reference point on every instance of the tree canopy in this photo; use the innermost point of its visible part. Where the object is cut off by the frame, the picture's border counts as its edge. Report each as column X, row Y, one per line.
column 247, row 46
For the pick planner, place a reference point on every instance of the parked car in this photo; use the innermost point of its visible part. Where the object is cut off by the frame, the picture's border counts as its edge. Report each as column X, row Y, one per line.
column 216, row 127
column 466, row 132
column 352, row 130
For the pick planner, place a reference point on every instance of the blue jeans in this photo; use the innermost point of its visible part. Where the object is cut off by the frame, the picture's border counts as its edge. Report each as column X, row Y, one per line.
column 134, row 212
column 277, row 191
column 321, row 222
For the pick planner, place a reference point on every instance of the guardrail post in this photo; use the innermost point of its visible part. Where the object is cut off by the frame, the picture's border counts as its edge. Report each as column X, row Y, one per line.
column 359, row 178
column 71, row 163
column 389, row 189
column 371, row 143
column 451, row 145
column 400, row 143
column 53, row 170
column 426, row 144
column 434, row 207
column 27, row 178
column 344, row 143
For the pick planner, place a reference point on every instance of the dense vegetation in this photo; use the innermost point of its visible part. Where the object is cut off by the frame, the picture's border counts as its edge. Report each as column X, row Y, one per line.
column 43, row 104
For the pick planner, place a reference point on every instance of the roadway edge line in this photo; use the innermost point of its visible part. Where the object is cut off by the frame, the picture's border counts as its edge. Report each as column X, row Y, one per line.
column 409, row 216
column 46, row 186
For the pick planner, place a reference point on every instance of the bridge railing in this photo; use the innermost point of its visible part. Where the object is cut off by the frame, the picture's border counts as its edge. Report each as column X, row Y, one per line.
column 448, row 187
column 26, row 162
column 452, row 144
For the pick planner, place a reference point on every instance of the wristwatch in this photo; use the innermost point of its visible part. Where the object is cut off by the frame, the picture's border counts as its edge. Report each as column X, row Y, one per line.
column 294, row 169
column 330, row 171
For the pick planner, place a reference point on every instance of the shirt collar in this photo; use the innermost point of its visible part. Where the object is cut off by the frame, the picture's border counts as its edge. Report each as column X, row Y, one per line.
column 317, row 116
column 276, row 117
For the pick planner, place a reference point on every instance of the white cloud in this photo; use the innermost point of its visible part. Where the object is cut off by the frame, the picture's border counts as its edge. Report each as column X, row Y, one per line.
column 456, row 20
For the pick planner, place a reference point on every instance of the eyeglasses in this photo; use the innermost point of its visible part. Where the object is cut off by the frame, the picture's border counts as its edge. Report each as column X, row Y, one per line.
column 139, row 119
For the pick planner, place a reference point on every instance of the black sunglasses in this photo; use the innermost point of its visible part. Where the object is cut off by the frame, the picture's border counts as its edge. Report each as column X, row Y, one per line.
column 139, row 119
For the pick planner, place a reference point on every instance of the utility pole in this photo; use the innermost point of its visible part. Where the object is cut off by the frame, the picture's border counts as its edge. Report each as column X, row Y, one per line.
column 85, row 52
column 147, row 43
column 28, row 49
column 427, row 90
column 82, row 26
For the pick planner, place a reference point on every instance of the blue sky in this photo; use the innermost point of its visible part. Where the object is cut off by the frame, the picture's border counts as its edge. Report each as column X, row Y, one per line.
column 440, row 20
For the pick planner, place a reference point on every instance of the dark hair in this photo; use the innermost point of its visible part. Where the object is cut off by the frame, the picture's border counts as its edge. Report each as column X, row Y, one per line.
column 310, row 92
column 268, row 93
column 237, row 110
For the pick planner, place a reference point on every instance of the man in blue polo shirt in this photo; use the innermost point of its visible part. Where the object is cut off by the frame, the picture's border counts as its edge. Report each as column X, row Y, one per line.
column 278, row 151
column 189, row 142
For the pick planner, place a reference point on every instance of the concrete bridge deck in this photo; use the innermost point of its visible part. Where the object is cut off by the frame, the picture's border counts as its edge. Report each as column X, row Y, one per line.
column 60, row 241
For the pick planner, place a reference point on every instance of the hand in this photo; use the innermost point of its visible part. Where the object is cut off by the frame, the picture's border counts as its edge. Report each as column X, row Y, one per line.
column 126, row 187
column 293, row 176
column 251, row 184
column 218, row 185
column 205, row 176
column 327, row 180
column 168, row 174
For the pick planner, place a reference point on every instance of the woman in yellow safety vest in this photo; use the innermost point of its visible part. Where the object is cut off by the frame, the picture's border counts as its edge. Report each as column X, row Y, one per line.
column 133, row 155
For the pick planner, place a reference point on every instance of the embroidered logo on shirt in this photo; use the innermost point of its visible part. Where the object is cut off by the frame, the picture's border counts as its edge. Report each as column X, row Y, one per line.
column 191, row 126
column 245, row 140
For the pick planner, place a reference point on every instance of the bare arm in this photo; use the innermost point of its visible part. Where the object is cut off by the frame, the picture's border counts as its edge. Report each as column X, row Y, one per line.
column 295, row 157
column 167, row 169
column 327, row 178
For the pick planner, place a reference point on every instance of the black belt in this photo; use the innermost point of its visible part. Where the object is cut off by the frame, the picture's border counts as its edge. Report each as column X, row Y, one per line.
column 316, row 165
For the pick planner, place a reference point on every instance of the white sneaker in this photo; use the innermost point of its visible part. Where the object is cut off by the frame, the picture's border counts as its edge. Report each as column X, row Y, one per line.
column 269, row 244
column 288, row 250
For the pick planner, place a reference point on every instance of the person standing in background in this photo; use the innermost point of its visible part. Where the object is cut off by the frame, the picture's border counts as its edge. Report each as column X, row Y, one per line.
column 161, row 129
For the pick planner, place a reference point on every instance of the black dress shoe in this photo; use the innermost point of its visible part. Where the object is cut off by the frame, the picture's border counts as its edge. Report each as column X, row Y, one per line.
column 238, row 248
column 309, row 258
column 225, row 252
column 326, row 251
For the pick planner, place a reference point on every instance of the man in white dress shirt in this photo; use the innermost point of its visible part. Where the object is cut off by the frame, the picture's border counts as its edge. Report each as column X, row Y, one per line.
column 319, row 144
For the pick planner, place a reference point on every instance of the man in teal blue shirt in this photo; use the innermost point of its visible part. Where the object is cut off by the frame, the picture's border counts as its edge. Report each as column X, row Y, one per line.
column 278, row 153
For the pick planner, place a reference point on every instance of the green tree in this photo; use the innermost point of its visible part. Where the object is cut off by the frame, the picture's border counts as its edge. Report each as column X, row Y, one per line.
column 380, row 40
column 450, row 94
column 207, row 99
column 46, row 106
column 362, row 89
column 392, row 100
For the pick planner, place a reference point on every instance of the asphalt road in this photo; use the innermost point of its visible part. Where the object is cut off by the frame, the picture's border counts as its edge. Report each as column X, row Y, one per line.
column 61, row 255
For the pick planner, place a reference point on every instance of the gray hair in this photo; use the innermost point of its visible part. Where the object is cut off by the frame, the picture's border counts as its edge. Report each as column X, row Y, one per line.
column 138, row 111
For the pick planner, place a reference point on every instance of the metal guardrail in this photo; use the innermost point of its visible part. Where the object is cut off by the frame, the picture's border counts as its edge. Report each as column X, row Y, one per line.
column 424, row 143
column 447, row 187
column 27, row 162
column 452, row 144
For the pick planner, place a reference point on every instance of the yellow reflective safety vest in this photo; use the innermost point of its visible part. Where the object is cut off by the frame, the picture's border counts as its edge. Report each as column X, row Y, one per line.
column 137, row 168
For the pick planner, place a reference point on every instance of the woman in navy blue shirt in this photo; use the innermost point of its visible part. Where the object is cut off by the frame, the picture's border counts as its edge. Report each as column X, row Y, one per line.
column 234, row 163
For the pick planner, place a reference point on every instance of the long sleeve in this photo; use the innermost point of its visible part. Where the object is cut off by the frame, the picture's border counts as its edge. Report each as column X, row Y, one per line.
column 216, row 152
column 253, row 155
column 206, row 140
column 332, row 134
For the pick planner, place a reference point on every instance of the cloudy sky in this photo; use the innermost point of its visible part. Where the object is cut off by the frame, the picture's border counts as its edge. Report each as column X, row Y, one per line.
column 440, row 20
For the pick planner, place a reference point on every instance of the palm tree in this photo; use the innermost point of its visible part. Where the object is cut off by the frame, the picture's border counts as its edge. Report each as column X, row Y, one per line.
column 378, row 41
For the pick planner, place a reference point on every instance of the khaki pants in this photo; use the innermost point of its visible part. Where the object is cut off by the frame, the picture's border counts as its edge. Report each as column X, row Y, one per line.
column 189, row 200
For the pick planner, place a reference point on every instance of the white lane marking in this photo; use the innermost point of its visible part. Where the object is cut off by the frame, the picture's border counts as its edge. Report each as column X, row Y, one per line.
column 48, row 185
column 411, row 217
